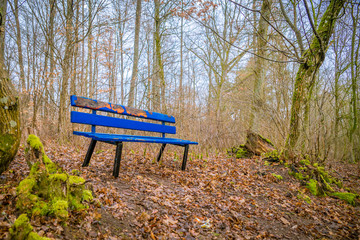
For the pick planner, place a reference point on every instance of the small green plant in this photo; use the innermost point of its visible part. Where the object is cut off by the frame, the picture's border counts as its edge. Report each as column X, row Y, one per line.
column 279, row 177
column 304, row 197
column 144, row 154
column 266, row 163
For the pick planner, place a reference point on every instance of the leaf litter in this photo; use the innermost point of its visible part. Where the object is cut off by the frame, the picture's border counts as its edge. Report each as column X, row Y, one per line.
column 217, row 197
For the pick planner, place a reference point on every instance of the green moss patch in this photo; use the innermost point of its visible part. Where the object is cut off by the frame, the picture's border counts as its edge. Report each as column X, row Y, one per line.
column 22, row 230
column 312, row 186
column 319, row 182
column 48, row 190
column 346, row 196
column 239, row 152
column 279, row 177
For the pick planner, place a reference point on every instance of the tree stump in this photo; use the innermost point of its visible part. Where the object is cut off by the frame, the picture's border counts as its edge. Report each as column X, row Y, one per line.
column 257, row 144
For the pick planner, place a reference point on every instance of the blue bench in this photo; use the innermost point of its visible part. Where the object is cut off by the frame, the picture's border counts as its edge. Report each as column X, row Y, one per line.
column 99, row 120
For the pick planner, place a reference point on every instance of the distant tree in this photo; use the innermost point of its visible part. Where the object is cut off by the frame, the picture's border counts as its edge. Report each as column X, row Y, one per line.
column 9, row 106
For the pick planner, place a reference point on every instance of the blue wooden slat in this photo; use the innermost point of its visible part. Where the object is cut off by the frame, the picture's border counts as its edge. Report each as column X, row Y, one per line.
column 99, row 120
column 132, row 138
column 93, row 104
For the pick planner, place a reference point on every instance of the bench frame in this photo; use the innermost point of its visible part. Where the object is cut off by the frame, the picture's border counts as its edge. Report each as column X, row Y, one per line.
column 115, row 139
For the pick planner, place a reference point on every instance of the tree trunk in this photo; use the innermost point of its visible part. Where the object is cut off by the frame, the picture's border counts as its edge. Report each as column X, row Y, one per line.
column 15, row 9
column 157, row 60
column 9, row 106
column 354, row 87
column 260, row 69
column 305, row 78
column 66, row 66
column 136, row 55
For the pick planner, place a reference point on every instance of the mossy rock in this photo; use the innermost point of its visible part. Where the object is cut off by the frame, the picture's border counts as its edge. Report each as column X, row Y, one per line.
column 48, row 190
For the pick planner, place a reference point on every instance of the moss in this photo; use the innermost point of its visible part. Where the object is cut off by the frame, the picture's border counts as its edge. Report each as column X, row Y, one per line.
column 60, row 209
column 75, row 172
column 279, row 177
column 35, row 236
column 34, row 168
column 266, row 140
column 272, row 154
column 298, row 175
column 24, row 192
column 41, row 208
column 76, row 180
column 75, row 203
column 305, row 162
column 35, row 142
column 21, row 228
column 50, row 166
column 48, row 190
column 239, row 152
column 87, row 195
column 312, row 186
column 26, row 185
column 346, row 196
column 304, row 197
column 58, row 176
column 326, row 184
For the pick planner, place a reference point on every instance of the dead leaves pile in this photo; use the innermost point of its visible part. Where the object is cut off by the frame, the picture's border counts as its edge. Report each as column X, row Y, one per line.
column 215, row 198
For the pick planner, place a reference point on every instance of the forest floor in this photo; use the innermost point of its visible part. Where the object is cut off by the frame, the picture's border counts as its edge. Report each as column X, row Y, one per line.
column 217, row 197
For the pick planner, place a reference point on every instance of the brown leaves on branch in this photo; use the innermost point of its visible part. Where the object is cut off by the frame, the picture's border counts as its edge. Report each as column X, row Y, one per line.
column 198, row 8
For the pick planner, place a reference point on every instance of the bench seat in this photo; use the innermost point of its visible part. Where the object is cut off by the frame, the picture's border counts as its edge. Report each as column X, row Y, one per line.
column 159, row 124
column 114, row 138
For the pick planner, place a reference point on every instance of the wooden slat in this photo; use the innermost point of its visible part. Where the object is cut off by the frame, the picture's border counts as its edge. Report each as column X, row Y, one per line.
column 99, row 120
column 132, row 138
column 93, row 104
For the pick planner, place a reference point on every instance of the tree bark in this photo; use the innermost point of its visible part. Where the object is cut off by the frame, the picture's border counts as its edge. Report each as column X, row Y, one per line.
column 136, row 54
column 305, row 79
column 66, row 67
column 260, row 66
column 9, row 105
column 157, row 60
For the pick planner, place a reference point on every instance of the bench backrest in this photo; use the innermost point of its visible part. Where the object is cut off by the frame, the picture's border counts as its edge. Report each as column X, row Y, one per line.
column 99, row 120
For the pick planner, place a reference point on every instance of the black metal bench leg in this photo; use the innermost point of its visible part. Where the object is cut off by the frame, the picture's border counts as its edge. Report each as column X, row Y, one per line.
column 89, row 153
column 161, row 151
column 117, row 160
column 186, row 151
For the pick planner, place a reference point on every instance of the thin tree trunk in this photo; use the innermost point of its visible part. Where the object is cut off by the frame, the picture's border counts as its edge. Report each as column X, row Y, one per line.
column 15, row 9
column 354, row 87
column 89, row 60
column 136, row 54
column 66, row 66
column 157, row 59
column 181, row 100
